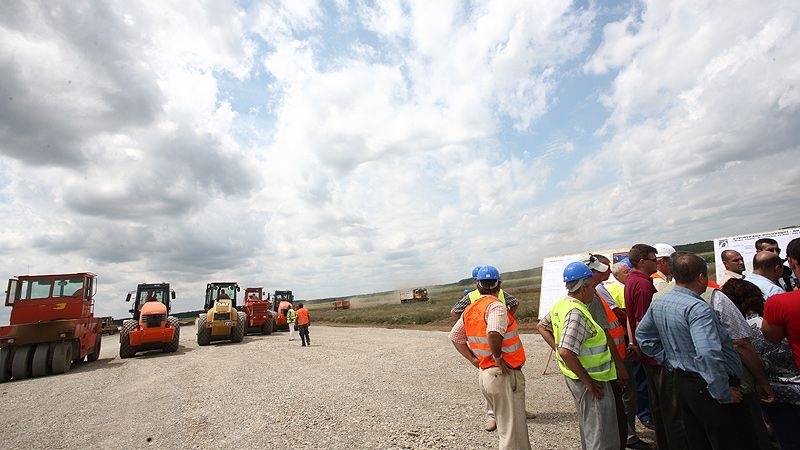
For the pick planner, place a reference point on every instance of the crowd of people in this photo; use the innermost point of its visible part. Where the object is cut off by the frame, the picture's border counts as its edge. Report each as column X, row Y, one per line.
column 706, row 365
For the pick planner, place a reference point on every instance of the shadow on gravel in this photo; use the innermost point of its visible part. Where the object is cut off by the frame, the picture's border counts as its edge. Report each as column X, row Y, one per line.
column 555, row 418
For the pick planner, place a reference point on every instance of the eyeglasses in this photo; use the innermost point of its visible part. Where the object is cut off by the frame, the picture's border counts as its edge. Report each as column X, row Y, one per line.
column 650, row 259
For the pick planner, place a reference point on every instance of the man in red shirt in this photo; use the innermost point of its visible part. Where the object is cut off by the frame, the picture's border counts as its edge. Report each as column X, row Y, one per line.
column 782, row 311
column 639, row 290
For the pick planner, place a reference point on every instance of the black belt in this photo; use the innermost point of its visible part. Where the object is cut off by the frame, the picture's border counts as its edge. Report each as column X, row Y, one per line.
column 732, row 380
column 693, row 375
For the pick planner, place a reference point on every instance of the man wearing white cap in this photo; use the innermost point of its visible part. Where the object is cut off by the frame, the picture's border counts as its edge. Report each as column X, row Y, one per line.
column 663, row 276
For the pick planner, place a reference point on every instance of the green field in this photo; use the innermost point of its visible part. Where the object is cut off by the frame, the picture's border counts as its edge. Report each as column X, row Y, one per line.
column 385, row 309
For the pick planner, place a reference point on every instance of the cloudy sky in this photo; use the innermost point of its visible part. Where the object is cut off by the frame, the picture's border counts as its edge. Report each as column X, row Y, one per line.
column 343, row 147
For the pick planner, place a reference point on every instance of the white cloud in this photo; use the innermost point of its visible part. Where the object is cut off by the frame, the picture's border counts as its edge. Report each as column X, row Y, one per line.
column 353, row 147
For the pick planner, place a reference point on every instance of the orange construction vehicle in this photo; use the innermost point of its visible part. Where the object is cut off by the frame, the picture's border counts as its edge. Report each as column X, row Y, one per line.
column 52, row 325
column 341, row 304
column 152, row 328
column 281, row 302
column 260, row 317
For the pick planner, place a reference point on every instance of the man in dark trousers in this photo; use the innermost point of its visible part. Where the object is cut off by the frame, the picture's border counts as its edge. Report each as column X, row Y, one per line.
column 683, row 333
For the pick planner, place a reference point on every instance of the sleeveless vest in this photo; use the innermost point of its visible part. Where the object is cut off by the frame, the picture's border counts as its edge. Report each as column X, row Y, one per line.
column 478, row 341
column 595, row 355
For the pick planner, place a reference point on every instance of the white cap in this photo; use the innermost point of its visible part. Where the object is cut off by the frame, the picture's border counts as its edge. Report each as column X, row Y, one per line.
column 595, row 264
column 664, row 250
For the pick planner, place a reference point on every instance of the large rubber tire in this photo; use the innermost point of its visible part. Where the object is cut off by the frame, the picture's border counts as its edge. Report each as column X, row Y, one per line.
column 203, row 332
column 237, row 334
column 176, row 337
column 267, row 327
column 6, row 354
column 21, row 364
column 62, row 357
column 126, row 350
column 95, row 355
column 41, row 360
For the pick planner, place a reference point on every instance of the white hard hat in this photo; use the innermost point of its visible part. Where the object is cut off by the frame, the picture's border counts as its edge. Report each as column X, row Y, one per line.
column 664, row 250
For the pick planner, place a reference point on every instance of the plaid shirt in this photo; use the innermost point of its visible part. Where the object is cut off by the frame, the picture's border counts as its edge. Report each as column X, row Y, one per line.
column 496, row 320
column 575, row 331
column 462, row 304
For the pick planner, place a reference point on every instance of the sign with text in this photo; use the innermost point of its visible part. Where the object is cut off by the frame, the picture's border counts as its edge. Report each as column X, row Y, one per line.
column 553, row 288
column 746, row 245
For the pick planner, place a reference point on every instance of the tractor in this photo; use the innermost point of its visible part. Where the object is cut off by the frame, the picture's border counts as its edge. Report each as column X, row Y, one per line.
column 152, row 328
column 281, row 302
column 260, row 317
column 221, row 321
column 52, row 325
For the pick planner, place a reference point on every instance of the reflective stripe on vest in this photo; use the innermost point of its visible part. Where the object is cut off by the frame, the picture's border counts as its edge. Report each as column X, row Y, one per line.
column 616, row 330
column 478, row 341
column 594, row 355
column 475, row 294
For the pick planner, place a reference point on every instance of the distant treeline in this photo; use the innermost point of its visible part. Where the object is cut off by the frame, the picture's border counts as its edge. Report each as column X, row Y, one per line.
column 697, row 247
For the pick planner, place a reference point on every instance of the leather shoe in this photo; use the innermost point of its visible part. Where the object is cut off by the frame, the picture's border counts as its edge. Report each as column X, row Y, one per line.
column 640, row 445
column 649, row 425
column 490, row 424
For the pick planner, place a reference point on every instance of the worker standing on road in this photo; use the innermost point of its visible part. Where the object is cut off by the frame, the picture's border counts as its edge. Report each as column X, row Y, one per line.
column 511, row 303
column 585, row 359
column 486, row 335
column 303, row 321
column 291, row 316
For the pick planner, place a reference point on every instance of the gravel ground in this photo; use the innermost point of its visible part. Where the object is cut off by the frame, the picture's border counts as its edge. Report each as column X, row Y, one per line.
column 354, row 388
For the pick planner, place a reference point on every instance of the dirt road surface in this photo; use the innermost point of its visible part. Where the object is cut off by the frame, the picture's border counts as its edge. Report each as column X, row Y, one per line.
column 353, row 388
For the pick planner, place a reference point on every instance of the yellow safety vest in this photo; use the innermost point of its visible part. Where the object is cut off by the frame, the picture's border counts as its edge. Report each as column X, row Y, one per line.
column 475, row 295
column 595, row 355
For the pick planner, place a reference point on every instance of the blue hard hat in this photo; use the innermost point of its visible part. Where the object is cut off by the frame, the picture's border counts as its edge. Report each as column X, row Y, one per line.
column 576, row 271
column 466, row 291
column 488, row 273
column 627, row 262
column 475, row 272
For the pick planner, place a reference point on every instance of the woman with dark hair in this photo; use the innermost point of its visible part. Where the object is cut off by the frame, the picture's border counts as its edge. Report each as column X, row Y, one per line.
column 784, row 375
column 746, row 296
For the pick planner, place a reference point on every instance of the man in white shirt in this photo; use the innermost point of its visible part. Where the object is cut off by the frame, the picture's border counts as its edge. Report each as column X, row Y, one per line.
column 734, row 266
column 767, row 268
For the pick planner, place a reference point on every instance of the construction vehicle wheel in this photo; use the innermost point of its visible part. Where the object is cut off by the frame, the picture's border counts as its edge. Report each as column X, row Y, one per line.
column 21, row 364
column 126, row 350
column 237, row 334
column 62, row 357
column 6, row 354
column 92, row 357
column 176, row 336
column 203, row 332
column 41, row 358
column 267, row 327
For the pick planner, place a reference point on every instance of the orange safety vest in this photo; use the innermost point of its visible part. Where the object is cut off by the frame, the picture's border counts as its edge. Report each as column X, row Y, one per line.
column 478, row 341
column 302, row 317
column 657, row 275
column 616, row 330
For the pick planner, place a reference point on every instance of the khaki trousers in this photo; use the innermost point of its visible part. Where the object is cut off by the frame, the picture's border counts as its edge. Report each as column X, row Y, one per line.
column 506, row 395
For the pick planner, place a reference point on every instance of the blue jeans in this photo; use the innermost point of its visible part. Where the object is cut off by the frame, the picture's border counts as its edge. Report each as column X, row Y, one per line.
column 642, row 396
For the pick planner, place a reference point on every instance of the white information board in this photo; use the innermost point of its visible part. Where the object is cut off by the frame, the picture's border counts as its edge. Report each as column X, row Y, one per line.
column 552, row 289
column 746, row 245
